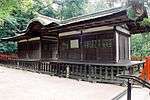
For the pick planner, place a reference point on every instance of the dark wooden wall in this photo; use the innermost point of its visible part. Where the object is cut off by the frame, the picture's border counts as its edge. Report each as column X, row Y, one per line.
column 29, row 50
column 68, row 53
column 34, row 50
column 92, row 47
column 22, row 50
column 48, row 49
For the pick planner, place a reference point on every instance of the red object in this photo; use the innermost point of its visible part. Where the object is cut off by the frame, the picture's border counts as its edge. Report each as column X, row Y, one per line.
column 145, row 72
column 7, row 56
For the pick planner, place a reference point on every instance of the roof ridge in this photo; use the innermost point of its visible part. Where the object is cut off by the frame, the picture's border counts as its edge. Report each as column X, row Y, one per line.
column 94, row 14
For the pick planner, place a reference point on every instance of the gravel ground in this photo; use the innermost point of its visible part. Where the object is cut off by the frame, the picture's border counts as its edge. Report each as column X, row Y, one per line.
column 23, row 85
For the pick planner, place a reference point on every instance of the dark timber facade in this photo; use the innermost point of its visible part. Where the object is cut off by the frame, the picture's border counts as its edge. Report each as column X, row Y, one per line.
column 89, row 47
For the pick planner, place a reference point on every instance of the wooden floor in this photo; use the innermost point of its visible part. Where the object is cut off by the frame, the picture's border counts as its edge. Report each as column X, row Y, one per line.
column 24, row 85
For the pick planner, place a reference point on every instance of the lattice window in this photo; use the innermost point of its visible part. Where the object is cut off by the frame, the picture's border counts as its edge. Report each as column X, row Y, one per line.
column 107, row 43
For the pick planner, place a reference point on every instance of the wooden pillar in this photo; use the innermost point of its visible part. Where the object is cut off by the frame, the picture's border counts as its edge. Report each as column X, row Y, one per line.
column 117, row 46
column 27, row 51
column 58, row 48
column 40, row 49
column 81, row 45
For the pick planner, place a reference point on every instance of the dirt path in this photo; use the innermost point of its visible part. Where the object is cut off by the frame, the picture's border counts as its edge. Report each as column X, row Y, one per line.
column 23, row 85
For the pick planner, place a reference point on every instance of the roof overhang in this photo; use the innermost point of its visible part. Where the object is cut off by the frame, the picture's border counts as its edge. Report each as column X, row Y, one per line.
column 111, row 17
column 42, row 25
column 15, row 38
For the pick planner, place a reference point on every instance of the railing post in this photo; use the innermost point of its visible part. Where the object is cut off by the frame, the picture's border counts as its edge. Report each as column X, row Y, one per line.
column 67, row 71
column 129, row 90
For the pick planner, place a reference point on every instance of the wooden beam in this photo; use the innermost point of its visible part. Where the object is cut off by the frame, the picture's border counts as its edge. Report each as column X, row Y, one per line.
column 115, row 21
column 95, row 29
column 34, row 39
column 123, row 30
column 25, row 40
column 69, row 33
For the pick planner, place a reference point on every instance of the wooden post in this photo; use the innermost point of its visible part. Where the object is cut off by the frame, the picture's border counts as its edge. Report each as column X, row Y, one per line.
column 67, row 71
column 17, row 63
column 40, row 49
column 100, row 73
column 27, row 51
column 112, row 73
column 106, row 72
column 81, row 45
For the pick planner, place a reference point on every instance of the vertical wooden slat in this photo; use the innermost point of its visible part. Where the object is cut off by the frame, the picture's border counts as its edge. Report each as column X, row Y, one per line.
column 112, row 72
column 117, row 70
column 67, row 71
column 124, row 70
column 81, row 66
column 100, row 73
column 106, row 72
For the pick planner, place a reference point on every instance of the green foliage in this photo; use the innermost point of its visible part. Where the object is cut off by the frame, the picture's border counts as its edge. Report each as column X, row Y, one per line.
column 9, row 47
column 15, row 18
column 44, row 8
column 14, row 23
column 24, row 5
column 95, row 7
column 71, row 8
column 140, row 44
column 131, row 13
column 7, row 6
column 145, row 22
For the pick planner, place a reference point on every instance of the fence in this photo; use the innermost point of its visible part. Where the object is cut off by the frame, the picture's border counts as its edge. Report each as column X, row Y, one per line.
column 7, row 56
column 79, row 71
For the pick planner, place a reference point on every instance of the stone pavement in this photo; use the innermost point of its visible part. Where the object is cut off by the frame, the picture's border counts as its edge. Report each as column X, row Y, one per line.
column 23, row 85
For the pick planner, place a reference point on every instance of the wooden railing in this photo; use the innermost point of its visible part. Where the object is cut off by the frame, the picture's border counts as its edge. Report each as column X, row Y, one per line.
column 78, row 71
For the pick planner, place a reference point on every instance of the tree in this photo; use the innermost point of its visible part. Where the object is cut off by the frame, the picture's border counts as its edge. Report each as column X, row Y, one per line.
column 44, row 7
column 140, row 44
column 70, row 8
column 14, row 15
column 7, row 6
column 95, row 6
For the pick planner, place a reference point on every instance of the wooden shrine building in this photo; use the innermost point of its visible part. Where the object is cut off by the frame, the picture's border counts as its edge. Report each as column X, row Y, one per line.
column 32, row 44
column 98, row 42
